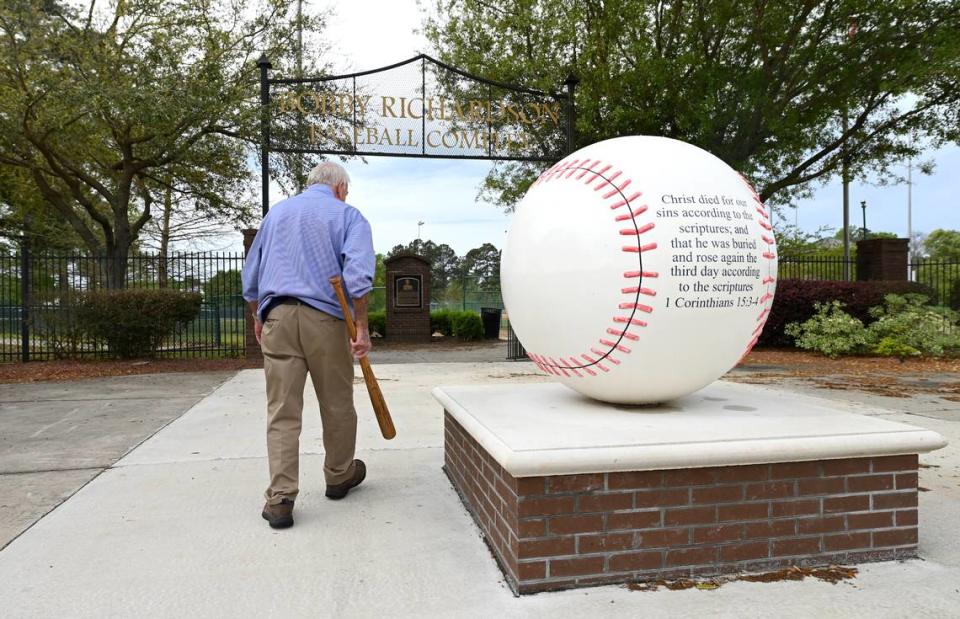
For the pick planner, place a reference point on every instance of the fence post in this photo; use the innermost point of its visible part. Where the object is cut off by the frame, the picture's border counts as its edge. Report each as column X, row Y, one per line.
column 883, row 259
column 25, row 301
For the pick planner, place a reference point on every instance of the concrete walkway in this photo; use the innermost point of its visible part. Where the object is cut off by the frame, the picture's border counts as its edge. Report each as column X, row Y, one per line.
column 56, row 437
column 173, row 529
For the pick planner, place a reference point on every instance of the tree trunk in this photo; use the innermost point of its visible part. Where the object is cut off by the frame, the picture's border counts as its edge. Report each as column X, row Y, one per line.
column 165, row 238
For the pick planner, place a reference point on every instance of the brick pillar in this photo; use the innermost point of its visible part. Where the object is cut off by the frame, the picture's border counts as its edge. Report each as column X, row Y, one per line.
column 408, row 298
column 251, row 347
column 882, row 259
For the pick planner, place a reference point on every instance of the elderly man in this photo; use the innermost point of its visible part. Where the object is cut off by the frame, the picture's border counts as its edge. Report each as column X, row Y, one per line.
column 304, row 241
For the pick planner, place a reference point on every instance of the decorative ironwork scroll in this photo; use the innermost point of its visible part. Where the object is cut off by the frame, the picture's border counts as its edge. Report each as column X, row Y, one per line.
column 420, row 107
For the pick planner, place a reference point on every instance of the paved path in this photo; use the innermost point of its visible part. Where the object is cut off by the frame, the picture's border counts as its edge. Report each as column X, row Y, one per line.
column 57, row 436
column 173, row 529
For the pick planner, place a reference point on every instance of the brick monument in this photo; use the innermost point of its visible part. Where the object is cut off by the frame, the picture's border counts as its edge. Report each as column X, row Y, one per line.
column 569, row 492
column 408, row 298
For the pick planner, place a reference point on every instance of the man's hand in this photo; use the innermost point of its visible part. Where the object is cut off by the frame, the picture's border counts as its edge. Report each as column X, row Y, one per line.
column 361, row 346
column 257, row 329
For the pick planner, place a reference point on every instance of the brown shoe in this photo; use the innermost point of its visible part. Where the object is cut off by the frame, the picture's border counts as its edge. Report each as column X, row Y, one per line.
column 338, row 491
column 280, row 516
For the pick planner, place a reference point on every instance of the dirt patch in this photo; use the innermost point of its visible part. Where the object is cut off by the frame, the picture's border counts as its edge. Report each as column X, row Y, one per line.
column 36, row 371
column 877, row 375
column 831, row 574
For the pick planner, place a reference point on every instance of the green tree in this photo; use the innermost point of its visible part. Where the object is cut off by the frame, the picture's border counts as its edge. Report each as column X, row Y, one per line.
column 943, row 245
column 482, row 267
column 224, row 288
column 762, row 85
column 105, row 107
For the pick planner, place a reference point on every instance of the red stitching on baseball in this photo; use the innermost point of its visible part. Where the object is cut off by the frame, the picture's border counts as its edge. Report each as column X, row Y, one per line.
column 638, row 290
column 767, row 239
column 637, row 306
column 616, row 189
column 588, row 174
column 574, row 370
column 766, row 297
column 609, row 181
column 765, row 226
column 623, row 333
column 617, row 205
column 769, row 255
column 632, row 215
column 637, row 231
column 619, row 347
column 588, row 169
column 634, row 250
column 768, row 280
column 763, row 314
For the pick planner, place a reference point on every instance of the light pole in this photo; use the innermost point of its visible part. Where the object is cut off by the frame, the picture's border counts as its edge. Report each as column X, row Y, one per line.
column 863, row 234
column 419, row 225
column 909, row 219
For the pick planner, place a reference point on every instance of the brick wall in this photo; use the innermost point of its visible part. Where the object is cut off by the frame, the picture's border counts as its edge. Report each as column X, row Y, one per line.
column 408, row 323
column 575, row 530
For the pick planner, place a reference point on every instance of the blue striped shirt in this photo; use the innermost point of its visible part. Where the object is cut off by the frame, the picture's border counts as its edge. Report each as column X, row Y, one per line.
column 303, row 242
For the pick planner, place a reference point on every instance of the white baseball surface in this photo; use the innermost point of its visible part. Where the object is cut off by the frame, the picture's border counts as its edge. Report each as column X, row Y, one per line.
column 639, row 269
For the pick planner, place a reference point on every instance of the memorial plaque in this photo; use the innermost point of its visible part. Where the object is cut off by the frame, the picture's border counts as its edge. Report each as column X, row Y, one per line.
column 408, row 292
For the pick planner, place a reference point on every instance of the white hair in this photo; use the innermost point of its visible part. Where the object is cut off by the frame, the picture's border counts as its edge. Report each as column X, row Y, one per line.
column 328, row 173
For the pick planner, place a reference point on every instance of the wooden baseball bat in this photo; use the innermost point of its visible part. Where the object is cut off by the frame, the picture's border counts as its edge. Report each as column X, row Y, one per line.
column 373, row 388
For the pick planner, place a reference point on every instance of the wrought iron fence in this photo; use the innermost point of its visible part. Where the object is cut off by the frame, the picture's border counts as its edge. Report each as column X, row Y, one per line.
column 38, row 322
column 815, row 267
column 941, row 276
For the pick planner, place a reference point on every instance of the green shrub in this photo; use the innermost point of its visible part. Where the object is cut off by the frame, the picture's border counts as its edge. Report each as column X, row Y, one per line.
column 377, row 321
column 796, row 300
column 904, row 326
column 890, row 347
column 442, row 321
column 55, row 319
column 133, row 322
column 467, row 325
column 954, row 300
column 830, row 331
column 908, row 320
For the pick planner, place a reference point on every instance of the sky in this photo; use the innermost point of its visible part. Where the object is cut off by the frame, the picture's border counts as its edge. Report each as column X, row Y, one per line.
column 395, row 193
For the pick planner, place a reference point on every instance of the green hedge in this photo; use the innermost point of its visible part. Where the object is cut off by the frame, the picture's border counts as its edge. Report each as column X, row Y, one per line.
column 467, row 326
column 135, row 321
column 377, row 322
column 441, row 321
column 464, row 325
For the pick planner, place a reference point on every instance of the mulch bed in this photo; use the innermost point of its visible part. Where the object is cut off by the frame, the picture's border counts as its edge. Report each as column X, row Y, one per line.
column 878, row 375
column 881, row 375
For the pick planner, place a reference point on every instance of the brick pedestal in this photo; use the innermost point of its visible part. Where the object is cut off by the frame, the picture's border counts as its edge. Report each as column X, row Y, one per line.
column 561, row 531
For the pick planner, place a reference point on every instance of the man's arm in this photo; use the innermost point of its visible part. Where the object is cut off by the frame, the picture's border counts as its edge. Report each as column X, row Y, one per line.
column 361, row 346
column 257, row 325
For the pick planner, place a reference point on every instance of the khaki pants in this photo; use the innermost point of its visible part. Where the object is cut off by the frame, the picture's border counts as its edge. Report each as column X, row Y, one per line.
column 297, row 339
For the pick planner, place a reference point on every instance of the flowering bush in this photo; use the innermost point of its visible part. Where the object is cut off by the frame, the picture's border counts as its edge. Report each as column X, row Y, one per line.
column 904, row 326
column 830, row 331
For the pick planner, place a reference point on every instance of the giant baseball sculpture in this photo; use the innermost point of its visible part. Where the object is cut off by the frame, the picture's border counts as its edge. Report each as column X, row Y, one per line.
column 639, row 269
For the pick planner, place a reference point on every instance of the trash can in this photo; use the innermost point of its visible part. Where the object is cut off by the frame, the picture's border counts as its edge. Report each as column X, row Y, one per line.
column 490, row 316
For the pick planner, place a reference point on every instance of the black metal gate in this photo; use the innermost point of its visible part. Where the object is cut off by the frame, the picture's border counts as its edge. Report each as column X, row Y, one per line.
column 419, row 107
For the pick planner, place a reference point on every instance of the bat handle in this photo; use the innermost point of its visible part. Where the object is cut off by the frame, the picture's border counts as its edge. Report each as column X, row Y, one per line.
column 336, row 282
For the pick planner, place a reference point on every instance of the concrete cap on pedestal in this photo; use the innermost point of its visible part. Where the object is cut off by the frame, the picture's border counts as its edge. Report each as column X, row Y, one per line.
column 547, row 429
